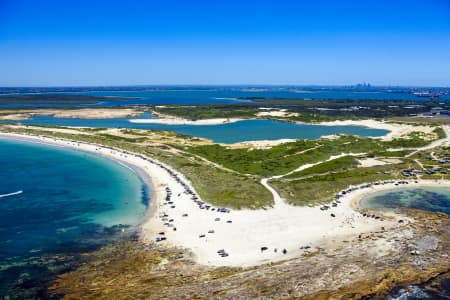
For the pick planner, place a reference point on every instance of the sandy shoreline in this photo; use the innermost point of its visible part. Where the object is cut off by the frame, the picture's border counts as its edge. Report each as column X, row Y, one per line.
column 241, row 233
column 396, row 130
column 127, row 159
column 357, row 196
column 81, row 113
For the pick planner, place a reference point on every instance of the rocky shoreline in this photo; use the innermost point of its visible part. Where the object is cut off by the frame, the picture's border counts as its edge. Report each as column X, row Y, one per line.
column 370, row 265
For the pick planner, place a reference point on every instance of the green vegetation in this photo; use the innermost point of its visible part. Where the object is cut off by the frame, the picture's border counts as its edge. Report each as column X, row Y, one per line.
column 421, row 120
column 318, row 117
column 322, row 188
column 208, row 111
column 284, row 158
column 276, row 160
column 217, row 186
column 121, row 138
column 352, row 108
column 437, row 158
column 440, row 133
column 242, row 111
column 316, row 110
column 341, row 163
column 415, row 139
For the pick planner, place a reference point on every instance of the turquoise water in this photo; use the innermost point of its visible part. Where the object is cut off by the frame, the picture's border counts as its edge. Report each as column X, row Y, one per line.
column 248, row 130
column 71, row 202
column 436, row 199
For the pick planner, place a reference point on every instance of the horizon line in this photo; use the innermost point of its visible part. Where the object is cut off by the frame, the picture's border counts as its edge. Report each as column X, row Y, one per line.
column 363, row 84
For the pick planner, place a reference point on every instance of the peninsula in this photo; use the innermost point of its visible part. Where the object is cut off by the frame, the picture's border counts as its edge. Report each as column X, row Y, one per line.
column 255, row 206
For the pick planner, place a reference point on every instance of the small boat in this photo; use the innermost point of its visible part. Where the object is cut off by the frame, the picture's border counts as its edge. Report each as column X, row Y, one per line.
column 11, row 194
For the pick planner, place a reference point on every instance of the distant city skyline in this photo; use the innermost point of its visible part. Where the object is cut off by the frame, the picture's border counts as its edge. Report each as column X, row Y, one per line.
column 110, row 43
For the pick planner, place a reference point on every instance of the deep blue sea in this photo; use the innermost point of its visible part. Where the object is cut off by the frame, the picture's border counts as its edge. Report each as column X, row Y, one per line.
column 247, row 130
column 226, row 96
column 57, row 202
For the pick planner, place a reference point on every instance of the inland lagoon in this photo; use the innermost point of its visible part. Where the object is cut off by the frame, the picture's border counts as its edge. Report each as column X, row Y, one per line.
column 55, row 204
column 246, row 130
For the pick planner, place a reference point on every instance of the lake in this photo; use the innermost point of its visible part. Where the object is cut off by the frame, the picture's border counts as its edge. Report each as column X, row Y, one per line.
column 247, row 130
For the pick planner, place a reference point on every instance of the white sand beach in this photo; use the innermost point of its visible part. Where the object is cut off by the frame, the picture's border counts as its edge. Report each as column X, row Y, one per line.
column 81, row 113
column 397, row 130
column 241, row 234
column 261, row 144
column 282, row 113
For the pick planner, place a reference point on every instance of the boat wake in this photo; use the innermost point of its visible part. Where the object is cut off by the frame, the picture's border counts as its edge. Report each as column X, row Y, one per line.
column 11, row 194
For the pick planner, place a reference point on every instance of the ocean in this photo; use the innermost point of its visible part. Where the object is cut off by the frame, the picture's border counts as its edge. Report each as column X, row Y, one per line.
column 56, row 203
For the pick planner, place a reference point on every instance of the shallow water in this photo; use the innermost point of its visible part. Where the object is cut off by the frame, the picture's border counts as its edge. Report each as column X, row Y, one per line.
column 247, row 130
column 415, row 292
column 436, row 199
column 71, row 202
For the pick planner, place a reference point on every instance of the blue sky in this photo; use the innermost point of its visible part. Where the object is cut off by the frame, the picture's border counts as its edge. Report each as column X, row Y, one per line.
column 53, row 43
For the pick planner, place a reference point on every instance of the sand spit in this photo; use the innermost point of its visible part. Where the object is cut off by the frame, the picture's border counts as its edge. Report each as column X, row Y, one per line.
column 82, row 113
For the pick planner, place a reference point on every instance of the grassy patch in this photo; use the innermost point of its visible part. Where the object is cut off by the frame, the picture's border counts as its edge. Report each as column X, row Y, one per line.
column 440, row 133
column 285, row 157
column 276, row 160
column 334, row 165
column 414, row 140
column 322, row 188
column 316, row 118
column 217, row 186
column 207, row 112
column 121, row 138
